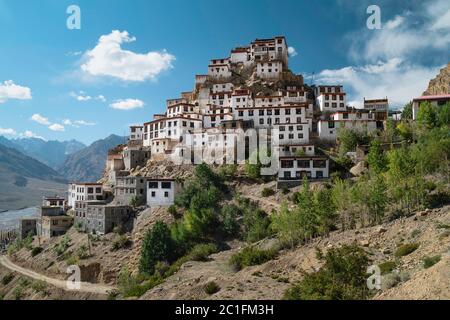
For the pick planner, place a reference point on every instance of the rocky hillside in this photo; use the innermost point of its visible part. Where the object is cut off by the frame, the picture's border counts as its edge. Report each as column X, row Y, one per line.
column 24, row 180
column 88, row 164
column 440, row 84
column 407, row 278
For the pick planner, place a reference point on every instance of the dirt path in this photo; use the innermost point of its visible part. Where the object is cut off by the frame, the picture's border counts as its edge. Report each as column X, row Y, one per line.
column 62, row 284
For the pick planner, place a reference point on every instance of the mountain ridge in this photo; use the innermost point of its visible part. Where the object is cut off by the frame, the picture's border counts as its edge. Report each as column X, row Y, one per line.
column 88, row 163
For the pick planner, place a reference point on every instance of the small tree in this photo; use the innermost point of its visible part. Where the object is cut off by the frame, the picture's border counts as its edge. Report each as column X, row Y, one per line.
column 135, row 201
column 376, row 158
column 407, row 111
column 157, row 246
column 427, row 115
column 342, row 277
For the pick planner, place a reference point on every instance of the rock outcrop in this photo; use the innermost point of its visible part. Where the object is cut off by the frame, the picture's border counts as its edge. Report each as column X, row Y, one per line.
column 440, row 84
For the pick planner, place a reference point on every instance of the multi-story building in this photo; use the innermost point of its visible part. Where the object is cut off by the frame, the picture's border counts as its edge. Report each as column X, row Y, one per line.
column 128, row 188
column 269, row 49
column 84, row 191
column 330, row 98
column 99, row 218
column 54, row 202
column 223, row 100
column 54, row 226
column 435, row 100
column 136, row 133
column 353, row 119
column 27, row 226
column 161, row 192
column 134, row 157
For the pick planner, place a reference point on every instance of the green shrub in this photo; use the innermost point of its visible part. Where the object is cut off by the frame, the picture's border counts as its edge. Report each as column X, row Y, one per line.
column 201, row 252
column 443, row 226
column 36, row 250
column 342, row 277
column 405, row 249
column 131, row 286
column 39, row 286
column 267, row 192
column 119, row 229
column 62, row 246
column 120, row 242
column 113, row 294
column 387, row 267
column 174, row 212
column 7, row 278
column 251, row 256
column 18, row 293
column 72, row 260
column 428, row 262
column 157, row 245
column 83, row 252
column 211, row 288
column 228, row 217
column 79, row 226
column 415, row 233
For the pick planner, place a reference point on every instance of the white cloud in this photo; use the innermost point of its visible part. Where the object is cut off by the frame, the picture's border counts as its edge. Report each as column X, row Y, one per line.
column 410, row 34
column 78, row 123
column 81, row 96
column 394, row 23
column 56, row 127
column 108, row 58
column 7, row 131
column 127, row 104
column 101, row 98
column 292, row 52
column 10, row 90
column 397, row 61
column 40, row 119
column 31, row 134
column 74, row 53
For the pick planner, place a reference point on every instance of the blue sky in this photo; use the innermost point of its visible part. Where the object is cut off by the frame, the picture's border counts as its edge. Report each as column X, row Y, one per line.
column 64, row 84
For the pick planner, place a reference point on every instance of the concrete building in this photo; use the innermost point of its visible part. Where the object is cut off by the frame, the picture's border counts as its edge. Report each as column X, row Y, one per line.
column 134, row 157
column 269, row 70
column 129, row 187
column 161, row 192
column 435, row 100
column 27, row 226
column 54, row 226
column 84, row 191
column 99, row 218
column 219, row 69
column 330, row 98
column 293, row 169
column 136, row 133
column 353, row 119
column 269, row 50
column 54, row 202
column 380, row 105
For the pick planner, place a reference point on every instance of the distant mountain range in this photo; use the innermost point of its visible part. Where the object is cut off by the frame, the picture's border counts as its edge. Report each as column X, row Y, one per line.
column 24, row 180
column 32, row 168
column 51, row 153
column 88, row 164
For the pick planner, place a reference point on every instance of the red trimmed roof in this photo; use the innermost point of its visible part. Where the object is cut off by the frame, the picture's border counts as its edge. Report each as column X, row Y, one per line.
column 433, row 97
